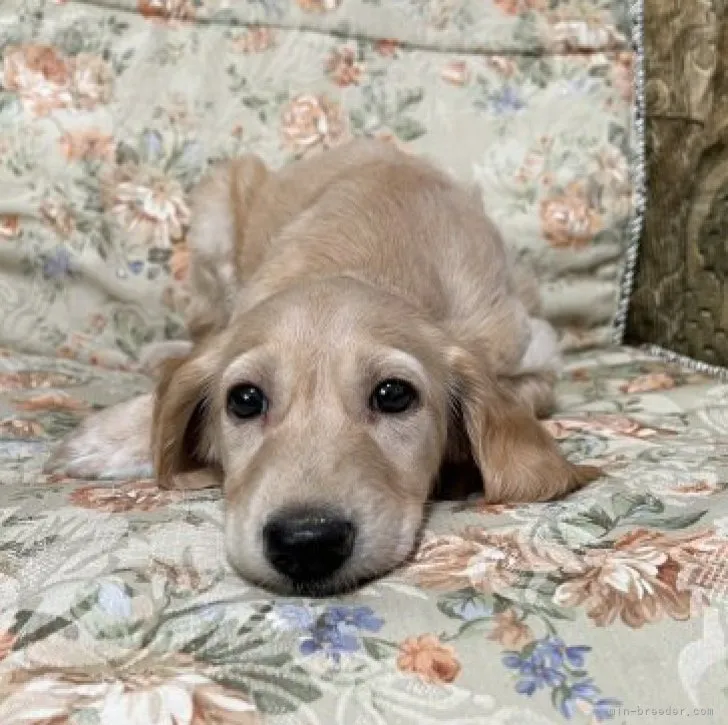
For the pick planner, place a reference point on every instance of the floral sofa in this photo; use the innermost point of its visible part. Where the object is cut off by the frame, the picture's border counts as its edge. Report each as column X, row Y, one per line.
column 116, row 604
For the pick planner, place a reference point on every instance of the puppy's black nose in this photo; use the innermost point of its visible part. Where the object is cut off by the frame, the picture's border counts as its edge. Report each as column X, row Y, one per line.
column 307, row 545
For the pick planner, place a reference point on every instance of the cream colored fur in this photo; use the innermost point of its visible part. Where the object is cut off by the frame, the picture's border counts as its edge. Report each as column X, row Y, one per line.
column 314, row 283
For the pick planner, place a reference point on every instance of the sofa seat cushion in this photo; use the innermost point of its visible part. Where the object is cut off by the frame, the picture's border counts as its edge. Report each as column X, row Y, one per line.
column 117, row 605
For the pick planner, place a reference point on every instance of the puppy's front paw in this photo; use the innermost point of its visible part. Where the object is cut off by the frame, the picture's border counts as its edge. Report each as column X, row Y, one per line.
column 112, row 444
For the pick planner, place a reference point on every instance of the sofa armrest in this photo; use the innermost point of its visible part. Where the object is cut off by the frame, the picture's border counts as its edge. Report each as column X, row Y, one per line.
column 680, row 296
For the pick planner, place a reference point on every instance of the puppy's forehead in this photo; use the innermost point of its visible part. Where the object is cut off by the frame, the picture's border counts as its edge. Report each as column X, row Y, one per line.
column 329, row 308
column 339, row 320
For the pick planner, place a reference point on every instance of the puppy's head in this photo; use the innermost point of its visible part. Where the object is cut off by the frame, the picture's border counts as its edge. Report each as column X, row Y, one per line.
column 326, row 408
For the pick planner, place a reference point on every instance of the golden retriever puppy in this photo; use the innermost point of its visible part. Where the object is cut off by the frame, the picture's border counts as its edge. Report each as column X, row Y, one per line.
column 354, row 322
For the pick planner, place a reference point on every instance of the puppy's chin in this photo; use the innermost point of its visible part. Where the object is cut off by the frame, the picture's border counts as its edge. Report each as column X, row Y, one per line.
column 332, row 586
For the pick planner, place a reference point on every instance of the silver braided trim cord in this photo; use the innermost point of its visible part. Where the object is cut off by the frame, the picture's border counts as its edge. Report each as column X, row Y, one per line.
column 639, row 194
column 687, row 362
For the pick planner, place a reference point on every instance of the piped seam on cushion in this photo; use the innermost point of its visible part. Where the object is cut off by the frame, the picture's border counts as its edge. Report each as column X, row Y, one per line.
column 639, row 166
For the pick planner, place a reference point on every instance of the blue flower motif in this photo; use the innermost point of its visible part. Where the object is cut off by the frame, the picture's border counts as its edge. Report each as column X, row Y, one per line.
column 358, row 617
column 575, row 655
column 551, row 650
column 538, row 669
column 526, row 687
column 58, row 265
column 114, row 600
column 512, row 661
column 471, row 609
column 332, row 641
column 507, row 101
column 293, row 617
column 548, row 663
column 568, row 707
column 334, row 632
column 584, row 690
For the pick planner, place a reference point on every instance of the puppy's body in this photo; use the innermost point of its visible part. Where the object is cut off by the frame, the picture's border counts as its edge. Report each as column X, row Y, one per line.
column 314, row 286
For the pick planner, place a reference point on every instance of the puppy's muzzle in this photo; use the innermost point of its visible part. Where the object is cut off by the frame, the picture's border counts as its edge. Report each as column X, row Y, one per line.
column 308, row 545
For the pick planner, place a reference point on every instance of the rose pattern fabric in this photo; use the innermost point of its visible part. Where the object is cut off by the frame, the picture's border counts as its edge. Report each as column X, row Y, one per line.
column 110, row 111
column 117, row 605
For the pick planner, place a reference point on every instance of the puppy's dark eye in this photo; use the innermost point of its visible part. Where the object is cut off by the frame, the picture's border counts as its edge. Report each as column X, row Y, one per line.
column 246, row 401
column 393, row 396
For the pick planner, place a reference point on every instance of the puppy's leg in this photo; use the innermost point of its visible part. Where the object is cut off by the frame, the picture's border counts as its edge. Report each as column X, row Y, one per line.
column 533, row 383
column 112, row 444
column 221, row 205
column 535, row 391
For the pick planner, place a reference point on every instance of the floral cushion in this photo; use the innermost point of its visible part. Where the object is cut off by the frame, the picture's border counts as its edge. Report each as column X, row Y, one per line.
column 117, row 606
column 109, row 112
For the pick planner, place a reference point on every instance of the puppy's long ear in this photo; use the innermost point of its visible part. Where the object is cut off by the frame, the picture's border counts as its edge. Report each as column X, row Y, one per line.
column 518, row 459
column 183, row 447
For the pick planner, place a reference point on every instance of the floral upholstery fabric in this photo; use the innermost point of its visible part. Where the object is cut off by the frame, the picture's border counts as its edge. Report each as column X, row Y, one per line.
column 117, row 606
column 110, row 111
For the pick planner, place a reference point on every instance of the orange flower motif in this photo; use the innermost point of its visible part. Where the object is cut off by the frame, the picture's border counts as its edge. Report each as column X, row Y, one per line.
column 58, row 216
column 702, row 560
column 179, row 263
column 580, row 374
column 92, row 80
column 167, row 11
column 32, row 379
column 149, row 688
column 51, row 401
column 86, row 145
column 66, row 352
column 569, row 221
column 510, row 631
column 45, row 80
column 309, row 121
column 697, row 488
column 148, row 204
column 649, row 383
column 574, row 34
column 456, row 73
column 387, row 136
column 130, row 496
column 518, row 7
column 645, row 576
column 442, row 562
column 623, row 75
column 617, row 425
column 493, row 509
column 490, row 561
column 343, row 68
column 98, row 322
column 502, row 64
column 19, row 428
column 429, row 658
column 9, row 226
column 387, row 47
column 40, row 75
column 257, row 39
column 7, row 642
column 185, row 577
column 318, row 6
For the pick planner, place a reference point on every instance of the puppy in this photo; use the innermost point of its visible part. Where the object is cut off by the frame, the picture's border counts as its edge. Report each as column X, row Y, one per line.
column 354, row 322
